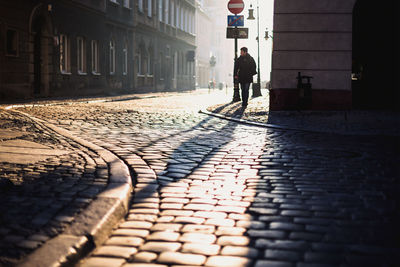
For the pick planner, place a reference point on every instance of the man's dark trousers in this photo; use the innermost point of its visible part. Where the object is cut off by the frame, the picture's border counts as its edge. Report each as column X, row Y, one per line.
column 245, row 93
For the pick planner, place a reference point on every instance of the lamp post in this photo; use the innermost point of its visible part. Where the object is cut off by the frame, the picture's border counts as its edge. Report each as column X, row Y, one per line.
column 257, row 86
column 213, row 62
column 266, row 37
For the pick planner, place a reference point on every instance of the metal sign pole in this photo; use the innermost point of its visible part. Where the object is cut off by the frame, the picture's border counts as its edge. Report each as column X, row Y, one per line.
column 257, row 89
column 236, row 93
column 235, row 7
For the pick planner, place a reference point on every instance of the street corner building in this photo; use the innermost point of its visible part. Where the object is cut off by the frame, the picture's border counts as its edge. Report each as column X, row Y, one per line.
column 63, row 48
column 345, row 47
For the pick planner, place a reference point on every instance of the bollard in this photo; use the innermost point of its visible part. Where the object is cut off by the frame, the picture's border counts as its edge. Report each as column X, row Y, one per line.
column 305, row 91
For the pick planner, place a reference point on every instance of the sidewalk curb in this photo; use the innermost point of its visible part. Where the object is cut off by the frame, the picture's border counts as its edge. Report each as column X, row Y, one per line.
column 253, row 123
column 94, row 224
column 288, row 128
column 66, row 103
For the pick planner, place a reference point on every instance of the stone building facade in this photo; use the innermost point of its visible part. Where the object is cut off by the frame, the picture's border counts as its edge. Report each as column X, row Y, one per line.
column 204, row 28
column 211, row 24
column 347, row 46
column 164, row 35
column 58, row 48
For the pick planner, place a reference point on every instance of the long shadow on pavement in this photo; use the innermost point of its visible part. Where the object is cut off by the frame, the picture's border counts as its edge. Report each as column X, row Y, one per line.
column 330, row 199
column 303, row 199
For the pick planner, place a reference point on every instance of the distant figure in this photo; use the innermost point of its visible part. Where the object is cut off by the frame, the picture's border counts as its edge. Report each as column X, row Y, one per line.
column 245, row 69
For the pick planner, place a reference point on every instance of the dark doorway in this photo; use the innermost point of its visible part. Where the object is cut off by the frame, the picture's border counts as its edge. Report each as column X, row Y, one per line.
column 373, row 70
column 37, row 54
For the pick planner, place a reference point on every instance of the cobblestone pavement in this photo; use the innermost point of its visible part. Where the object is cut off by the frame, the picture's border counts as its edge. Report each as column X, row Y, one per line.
column 40, row 198
column 217, row 193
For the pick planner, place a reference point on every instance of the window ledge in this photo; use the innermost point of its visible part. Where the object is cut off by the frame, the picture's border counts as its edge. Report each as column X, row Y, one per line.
column 66, row 73
column 96, row 73
column 82, row 73
column 141, row 75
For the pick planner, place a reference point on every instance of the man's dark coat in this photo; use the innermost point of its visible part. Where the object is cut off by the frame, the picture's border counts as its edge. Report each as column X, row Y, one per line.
column 245, row 68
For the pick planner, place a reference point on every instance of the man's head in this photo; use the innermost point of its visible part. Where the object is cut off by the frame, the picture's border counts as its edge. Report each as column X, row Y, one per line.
column 243, row 51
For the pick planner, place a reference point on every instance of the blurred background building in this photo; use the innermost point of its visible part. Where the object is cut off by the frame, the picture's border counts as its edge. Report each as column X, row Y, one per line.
column 214, row 62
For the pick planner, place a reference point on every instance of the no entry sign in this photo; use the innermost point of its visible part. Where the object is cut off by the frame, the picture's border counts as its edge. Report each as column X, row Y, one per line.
column 235, row 6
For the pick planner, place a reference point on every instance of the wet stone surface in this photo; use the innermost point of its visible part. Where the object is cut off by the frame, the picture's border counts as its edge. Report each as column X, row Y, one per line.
column 216, row 193
column 39, row 199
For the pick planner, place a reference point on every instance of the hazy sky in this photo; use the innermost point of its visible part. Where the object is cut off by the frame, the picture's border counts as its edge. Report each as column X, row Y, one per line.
column 266, row 20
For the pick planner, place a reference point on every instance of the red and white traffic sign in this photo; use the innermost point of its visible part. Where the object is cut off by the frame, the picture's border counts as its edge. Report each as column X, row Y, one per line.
column 235, row 6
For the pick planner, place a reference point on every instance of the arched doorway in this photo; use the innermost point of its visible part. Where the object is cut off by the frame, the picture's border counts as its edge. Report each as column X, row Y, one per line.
column 373, row 59
column 40, row 29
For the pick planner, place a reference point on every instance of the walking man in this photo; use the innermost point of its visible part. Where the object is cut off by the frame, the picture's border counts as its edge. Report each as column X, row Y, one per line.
column 245, row 69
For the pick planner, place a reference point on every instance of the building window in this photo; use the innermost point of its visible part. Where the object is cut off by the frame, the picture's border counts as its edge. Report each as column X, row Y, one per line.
column 126, row 3
column 193, row 24
column 181, row 22
column 166, row 10
column 177, row 16
column 11, row 42
column 125, row 62
column 180, row 64
column 172, row 13
column 149, row 8
column 160, row 10
column 112, row 57
column 140, row 5
column 139, row 64
column 81, row 55
column 64, row 54
column 186, row 21
column 114, row 1
column 145, row 62
column 190, row 22
column 95, row 57
column 150, row 63
column 162, row 71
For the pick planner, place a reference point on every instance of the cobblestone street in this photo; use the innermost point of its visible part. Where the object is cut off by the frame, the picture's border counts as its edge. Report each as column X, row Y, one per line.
column 211, row 192
column 43, row 193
